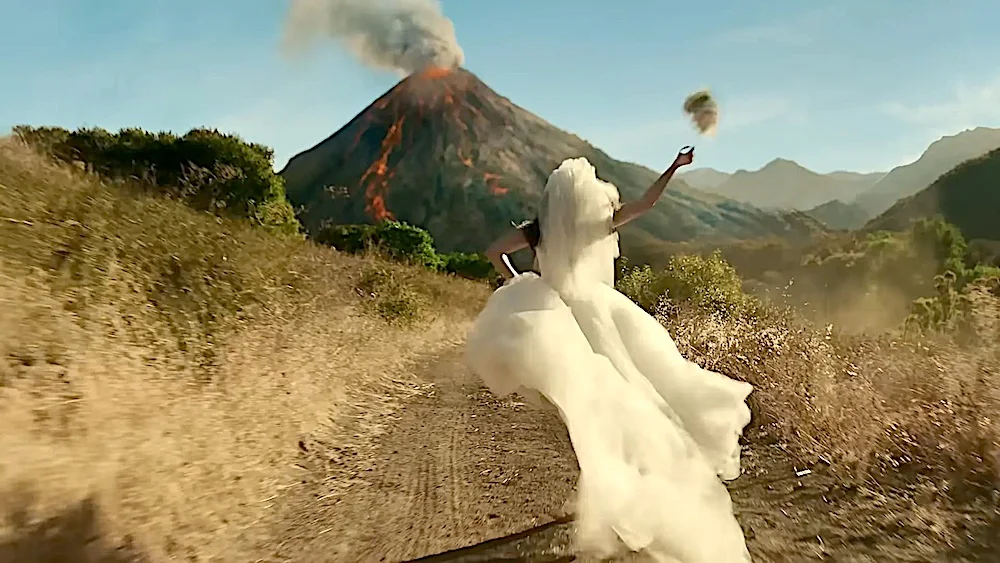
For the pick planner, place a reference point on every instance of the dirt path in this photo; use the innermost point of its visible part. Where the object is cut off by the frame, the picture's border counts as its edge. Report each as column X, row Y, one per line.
column 457, row 467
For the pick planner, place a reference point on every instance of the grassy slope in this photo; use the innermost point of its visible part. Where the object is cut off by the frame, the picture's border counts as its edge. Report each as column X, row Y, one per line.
column 158, row 365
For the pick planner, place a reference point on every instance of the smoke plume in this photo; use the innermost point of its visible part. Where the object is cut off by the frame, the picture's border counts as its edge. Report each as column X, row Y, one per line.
column 402, row 35
column 703, row 111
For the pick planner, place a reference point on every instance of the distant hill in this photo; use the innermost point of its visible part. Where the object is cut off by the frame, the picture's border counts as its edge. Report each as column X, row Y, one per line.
column 839, row 215
column 443, row 151
column 968, row 196
column 784, row 184
column 705, row 179
column 940, row 157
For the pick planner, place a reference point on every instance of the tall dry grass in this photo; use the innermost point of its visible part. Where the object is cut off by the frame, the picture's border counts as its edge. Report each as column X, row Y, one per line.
column 158, row 366
column 872, row 406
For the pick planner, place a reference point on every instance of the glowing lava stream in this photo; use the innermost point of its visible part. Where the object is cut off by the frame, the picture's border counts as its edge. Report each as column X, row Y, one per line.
column 376, row 178
column 491, row 182
column 378, row 187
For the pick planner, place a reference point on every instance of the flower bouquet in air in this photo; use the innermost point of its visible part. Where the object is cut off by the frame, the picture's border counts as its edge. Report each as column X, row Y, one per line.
column 703, row 110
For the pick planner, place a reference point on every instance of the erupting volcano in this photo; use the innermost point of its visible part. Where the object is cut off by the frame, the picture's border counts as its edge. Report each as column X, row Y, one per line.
column 440, row 149
column 443, row 151
column 450, row 102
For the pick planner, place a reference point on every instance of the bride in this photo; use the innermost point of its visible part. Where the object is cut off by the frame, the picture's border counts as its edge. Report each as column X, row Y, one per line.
column 654, row 434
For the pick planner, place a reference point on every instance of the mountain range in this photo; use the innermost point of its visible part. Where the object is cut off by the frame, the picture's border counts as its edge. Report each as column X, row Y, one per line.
column 968, row 196
column 844, row 200
column 443, row 151
column 783, row 184
column 940, row 157
column 839, row 215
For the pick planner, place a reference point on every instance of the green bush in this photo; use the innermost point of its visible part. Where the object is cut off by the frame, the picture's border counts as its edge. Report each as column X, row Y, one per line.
column 468, row 265
column 399, row 241
column 943, row 241
column 643, row 286
column 950, row 309
column 209, row 170
column 708, row 283
column 405, row 243
column 942, row 312
column 353, row 239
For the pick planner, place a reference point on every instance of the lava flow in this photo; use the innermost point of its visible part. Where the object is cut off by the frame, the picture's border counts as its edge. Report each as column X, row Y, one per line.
column 377, row 187
column 491, row 181
column 430, row 102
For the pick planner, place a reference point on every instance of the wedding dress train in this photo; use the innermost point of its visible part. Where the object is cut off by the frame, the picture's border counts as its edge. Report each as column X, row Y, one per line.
column 654, row 434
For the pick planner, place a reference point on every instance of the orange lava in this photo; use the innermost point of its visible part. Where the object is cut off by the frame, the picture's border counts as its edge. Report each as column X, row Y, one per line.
column 464, row 159
column 492, row 184
column 416, row 99
column 378, row 186
column 435, row 72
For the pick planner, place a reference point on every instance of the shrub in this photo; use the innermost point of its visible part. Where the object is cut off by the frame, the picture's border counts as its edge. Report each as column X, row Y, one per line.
column 708, row 283
column 952, row 309
column 399, row 241
column 407, row 243
column 949, row 308
column 404, row 243
column 468, row 265
column 209, row 170
column 944, row 242
column 353, row 239
column 643, row 286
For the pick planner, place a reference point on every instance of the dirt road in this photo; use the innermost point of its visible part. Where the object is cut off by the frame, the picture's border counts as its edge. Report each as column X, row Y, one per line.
column 457, row 467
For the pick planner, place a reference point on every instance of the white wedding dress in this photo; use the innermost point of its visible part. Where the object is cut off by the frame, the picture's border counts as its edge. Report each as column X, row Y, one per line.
column 654, row 434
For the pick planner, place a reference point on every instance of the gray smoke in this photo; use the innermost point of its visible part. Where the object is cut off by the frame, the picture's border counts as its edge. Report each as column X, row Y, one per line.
column 703, row 110
column 402, row 35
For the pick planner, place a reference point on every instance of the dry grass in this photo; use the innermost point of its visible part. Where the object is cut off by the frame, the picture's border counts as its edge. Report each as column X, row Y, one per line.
column 158, row 367
column 871, row 406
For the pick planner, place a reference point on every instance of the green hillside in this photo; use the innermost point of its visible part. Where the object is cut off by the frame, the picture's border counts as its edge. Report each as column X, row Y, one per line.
column 968, row 197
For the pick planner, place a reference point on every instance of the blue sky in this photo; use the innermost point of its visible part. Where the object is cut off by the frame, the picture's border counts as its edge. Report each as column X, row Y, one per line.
column 844, row 84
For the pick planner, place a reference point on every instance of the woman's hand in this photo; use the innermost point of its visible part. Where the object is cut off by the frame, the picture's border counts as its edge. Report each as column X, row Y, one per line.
column 684, row 157
column 632, row 209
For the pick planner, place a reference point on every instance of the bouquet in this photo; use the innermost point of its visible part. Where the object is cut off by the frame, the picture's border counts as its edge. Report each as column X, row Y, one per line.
column 703, row 111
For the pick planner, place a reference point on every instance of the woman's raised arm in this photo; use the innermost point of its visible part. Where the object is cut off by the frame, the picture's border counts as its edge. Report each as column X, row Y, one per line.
column 632, row 209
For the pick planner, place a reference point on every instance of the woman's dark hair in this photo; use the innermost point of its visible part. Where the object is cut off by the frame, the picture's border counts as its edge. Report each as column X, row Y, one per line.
column 532, row 232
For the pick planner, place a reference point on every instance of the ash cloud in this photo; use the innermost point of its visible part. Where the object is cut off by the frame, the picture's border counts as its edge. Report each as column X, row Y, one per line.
column 406, row 36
